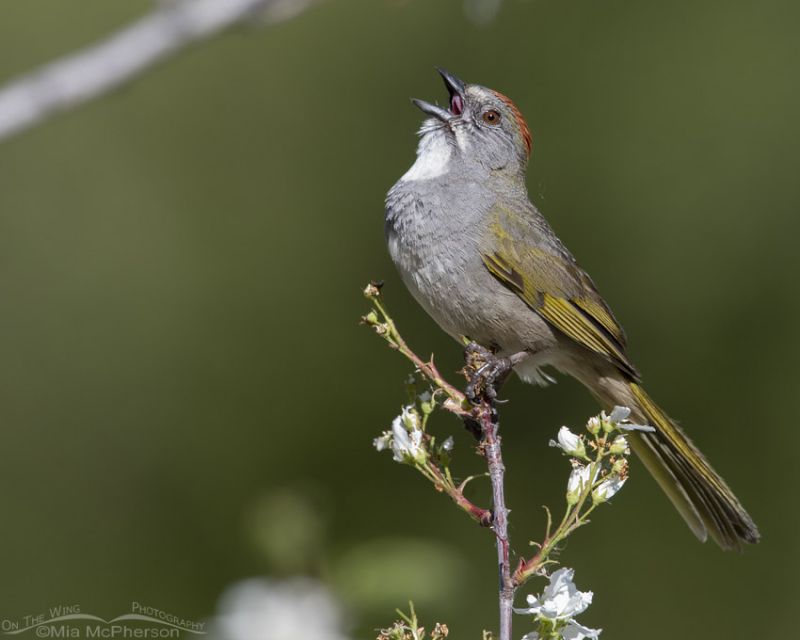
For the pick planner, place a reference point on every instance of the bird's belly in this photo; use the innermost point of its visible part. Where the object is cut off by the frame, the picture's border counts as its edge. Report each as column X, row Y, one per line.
column 449, row 280
column 444, row 288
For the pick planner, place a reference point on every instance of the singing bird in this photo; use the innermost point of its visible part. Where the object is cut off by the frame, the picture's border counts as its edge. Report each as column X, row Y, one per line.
column 485, row 264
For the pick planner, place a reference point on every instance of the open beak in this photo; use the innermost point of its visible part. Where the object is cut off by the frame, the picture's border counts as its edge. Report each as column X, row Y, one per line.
column 456, row 88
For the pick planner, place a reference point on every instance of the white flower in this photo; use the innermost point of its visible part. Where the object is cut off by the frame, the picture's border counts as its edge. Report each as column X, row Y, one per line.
column 560, row 600
column 573, row 631
column 579, row 479
column 608, row 487
column 425, row 396
column 619, row 414
column 576, row 631
column 619, row 417
column 278, row 610
column 405, row 438
column 636, row 427
column 560, row 603
column 407, row 446
column 593, row 425
column 570, row 443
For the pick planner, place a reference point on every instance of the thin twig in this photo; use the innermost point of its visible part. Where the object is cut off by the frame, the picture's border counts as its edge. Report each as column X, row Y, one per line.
column 574, row 518
column 428, row 369
column 482, row 516
column 91, row 72
column 494, row 458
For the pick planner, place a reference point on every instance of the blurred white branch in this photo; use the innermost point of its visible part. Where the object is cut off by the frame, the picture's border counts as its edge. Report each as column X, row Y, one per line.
column 96, row 70
column 482, row 12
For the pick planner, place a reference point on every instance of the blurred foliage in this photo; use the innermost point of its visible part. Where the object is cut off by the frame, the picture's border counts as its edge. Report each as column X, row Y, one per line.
column 288, row 529
column 381, row 572
column 181, row 267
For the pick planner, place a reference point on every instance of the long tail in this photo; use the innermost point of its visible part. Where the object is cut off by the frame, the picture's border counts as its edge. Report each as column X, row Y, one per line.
column 698, row 492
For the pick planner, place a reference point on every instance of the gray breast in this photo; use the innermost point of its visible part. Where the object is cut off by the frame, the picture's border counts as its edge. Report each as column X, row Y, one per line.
column 433, row 232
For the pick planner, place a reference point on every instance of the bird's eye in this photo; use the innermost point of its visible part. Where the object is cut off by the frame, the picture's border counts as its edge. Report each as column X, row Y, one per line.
column 491, row 117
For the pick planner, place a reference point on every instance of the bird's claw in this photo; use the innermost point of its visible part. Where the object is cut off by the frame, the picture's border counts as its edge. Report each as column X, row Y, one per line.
column 485, row 371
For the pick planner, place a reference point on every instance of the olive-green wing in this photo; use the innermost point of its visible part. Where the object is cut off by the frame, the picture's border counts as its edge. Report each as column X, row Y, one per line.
column 551, row 284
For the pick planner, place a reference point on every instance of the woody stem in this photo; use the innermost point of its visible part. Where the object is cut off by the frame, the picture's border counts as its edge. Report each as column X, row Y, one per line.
column 490, row 425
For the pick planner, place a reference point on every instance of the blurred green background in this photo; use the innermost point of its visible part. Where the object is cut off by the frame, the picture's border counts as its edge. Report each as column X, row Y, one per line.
column 184, row 385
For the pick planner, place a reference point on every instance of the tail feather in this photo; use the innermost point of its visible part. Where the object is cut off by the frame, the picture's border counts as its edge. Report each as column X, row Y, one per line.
column 669, row 484
column 698, row 492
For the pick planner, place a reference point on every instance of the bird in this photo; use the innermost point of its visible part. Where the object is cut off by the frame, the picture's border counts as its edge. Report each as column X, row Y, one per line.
column 483, row 262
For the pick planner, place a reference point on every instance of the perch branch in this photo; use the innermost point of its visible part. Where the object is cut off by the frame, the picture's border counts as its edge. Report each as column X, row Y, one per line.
column 494, row 458
column 91, row 72
column 483, row 414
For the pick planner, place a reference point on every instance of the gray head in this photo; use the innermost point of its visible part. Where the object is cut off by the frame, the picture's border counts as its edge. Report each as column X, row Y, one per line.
column 483, row 128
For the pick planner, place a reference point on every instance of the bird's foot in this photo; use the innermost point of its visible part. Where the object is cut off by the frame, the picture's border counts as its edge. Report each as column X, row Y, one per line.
column 485, row 372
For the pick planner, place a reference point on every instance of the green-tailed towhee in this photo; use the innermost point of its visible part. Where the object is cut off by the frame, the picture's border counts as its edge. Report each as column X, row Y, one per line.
column 485, row 264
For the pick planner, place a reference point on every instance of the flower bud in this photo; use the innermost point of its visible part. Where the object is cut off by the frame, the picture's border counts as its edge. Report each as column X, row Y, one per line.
column 620, row 467
column 593, row 425
column 448, row 444
column 570, row 443
column 410, row 418
column 383, row 441
column 426, row 402
column 372, row 290
column 620, row 446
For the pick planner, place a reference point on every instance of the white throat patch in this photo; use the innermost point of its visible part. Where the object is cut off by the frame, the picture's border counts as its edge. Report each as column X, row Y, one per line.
column 433, row 156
